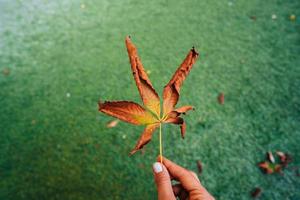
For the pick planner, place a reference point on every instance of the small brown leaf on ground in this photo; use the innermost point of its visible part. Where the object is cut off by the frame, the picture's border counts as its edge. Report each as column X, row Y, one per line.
column 256, row 192
column 112, row 123
column 269, row 168
column 221, row 98
column 5, row 71
column 270, row 157
column 253, row 17
column 285, row 158
column 200, row 167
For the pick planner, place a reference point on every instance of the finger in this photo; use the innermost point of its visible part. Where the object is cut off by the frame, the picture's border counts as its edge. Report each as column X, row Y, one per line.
column 188, row 181
column 195, row 175
column 163, row 182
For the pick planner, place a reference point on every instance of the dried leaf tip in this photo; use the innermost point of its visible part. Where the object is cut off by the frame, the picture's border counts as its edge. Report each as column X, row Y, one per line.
column 194, row 51
column 128, row 38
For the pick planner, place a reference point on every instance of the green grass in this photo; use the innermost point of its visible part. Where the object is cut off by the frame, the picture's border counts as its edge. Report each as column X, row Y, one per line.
column 55, row 147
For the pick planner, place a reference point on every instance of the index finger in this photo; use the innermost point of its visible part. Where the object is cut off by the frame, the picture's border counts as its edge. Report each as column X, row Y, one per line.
column 188, row 181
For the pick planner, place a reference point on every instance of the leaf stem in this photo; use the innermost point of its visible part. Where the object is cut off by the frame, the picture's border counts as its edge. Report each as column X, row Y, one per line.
column 160, row 143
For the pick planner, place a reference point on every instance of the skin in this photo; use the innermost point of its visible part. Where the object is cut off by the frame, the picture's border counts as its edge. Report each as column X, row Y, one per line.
column 188, row 188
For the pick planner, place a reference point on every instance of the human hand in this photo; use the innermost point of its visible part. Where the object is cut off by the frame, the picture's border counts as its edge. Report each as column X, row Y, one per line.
column 189, row 187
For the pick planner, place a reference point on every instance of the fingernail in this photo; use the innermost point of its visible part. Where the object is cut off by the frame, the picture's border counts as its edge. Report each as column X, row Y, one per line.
column 157, row 167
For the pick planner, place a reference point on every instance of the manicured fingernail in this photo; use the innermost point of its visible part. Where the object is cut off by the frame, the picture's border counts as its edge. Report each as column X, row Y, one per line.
column 157, row 167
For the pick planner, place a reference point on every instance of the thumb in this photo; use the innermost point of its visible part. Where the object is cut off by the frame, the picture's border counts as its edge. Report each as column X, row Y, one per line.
column 163, row 182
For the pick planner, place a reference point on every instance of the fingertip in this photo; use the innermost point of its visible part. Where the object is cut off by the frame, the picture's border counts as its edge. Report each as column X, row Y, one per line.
column 157, row 167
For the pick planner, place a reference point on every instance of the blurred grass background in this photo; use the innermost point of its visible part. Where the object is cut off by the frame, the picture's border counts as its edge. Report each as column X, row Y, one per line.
column 58, row 58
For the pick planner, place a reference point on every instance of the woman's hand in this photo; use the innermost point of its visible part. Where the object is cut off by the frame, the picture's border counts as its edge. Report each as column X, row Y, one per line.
column 188, row 188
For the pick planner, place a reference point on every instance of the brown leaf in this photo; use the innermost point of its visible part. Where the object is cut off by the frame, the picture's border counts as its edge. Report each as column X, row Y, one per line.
column 112, row 123
column 145, row 137
column 150, row 115
column 221, row 98
column 6, row 71
column 256, row 192
column 285, row 158
column 179, row 121
column 184, row 109
column 172, row 89
column 200, row 167
column 127, row 111
column 265, row 167
column 270, row 157
column 253, row 17
column 269, row 168
column 148, row 94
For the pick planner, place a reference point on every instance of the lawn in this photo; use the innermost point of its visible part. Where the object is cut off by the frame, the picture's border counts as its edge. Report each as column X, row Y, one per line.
column 58, row 58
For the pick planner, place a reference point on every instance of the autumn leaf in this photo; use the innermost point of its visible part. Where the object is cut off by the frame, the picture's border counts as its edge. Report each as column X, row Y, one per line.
column 269, row 168
column 253, row 17
column 199, row 166
column 285, row 158
column 221, row 98
column 149, row 114
column 270, row 157
column 256, row 192
column 172, row 89
column 149, row 96
column 272, row 165
column 6, row 71
column 127, row 111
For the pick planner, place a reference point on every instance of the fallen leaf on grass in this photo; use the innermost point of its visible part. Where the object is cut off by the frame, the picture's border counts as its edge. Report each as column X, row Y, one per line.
column 270, row 157
column 285, row 158
column 200, row 167
column 149, row 114
column 112, row 123
column 256, row 192
column 5, row 71
column 269, row 168
column 253, row 17
column 221, row 98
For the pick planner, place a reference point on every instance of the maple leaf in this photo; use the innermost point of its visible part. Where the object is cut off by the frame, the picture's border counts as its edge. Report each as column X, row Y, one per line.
column 150, row 113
